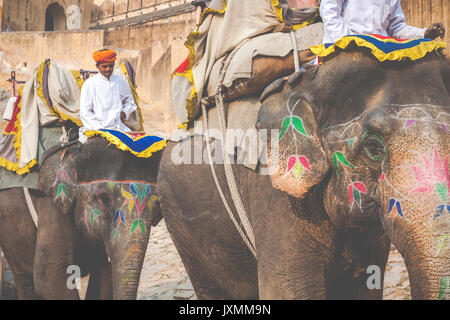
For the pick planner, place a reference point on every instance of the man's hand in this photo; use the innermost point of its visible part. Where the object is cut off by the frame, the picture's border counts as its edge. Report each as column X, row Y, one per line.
column 434, row 31
column 122, row 116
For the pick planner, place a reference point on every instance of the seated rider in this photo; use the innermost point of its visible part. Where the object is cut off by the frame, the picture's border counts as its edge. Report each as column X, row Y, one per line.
column 383, row 17
column 106, row 99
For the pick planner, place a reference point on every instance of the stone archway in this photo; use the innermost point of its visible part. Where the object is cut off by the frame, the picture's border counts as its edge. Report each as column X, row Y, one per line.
column 55, row 18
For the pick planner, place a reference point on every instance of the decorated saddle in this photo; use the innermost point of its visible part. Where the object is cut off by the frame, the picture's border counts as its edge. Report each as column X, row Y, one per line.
column 141, row 145
column 383, row 48
column 222, row 27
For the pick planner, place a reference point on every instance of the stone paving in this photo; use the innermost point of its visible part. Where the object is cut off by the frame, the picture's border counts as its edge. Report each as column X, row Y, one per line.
column 163, row 275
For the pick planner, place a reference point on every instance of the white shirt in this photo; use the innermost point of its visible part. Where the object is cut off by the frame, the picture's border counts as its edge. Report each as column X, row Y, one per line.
column 102, row 102
column 350, row 17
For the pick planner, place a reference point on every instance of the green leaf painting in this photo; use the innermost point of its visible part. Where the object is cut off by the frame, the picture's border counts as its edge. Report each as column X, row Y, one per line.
column 296, row 123
column 142, row 227
column 61, row 191
column 94, row 213
column 338, row 157
column 284, row 127
column 141, row 224
column 134, row 226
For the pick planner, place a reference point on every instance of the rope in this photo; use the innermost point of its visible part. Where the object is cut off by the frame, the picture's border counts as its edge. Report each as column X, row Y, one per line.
column 246, row 234
column 31, row 206
column 295, row 53
column 219, row 188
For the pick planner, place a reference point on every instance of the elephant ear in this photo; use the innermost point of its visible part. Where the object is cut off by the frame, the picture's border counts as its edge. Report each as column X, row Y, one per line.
column 296, row 159
column 58, row 179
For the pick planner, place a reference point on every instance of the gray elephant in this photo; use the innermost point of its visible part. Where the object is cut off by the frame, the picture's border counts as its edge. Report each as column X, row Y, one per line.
column 362, row 160
column 95, row 206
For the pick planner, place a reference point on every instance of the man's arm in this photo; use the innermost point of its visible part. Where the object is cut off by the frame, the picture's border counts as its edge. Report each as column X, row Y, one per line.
column 87, row 109
column 399, row 28
column 129, row 106
column 330, row 11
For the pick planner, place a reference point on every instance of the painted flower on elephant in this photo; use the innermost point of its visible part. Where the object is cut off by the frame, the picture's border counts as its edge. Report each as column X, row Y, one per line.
column 297, row 165
column 61, row 179
column 440, row 210
column 354, row 191
column 433, row 176
column 119, row 217
column 137, row 197
column 90, row 215
column 395, row 209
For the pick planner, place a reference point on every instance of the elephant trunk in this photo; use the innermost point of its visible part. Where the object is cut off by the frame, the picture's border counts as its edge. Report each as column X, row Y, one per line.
column 427, row 258
column 127, row 261
column 429, row 277
column 416, row 214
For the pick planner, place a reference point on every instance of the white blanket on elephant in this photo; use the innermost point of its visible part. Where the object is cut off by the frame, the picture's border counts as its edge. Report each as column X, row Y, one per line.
column 65, row 96
column 243, row 139
column 276, row 44
column 221, row 33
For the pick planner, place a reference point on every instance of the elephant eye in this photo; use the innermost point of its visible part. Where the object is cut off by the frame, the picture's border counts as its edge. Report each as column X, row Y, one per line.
column 374, row 146
column 104, row 200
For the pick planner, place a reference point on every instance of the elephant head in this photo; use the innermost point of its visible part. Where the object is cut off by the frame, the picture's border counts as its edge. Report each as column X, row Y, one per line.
column 371, row 140
column 110, row 196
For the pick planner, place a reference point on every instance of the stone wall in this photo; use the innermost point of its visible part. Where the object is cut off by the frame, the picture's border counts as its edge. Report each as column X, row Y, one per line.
column 23, row 51
column 29, row 15
column 421, row 13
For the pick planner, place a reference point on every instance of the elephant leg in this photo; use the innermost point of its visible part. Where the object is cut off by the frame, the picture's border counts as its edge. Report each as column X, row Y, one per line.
column 100, row 283
column 17, row 240
column 55, row 246
column 216, row 260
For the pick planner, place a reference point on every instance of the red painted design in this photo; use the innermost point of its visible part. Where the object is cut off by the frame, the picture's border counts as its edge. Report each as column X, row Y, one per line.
column 432, row 176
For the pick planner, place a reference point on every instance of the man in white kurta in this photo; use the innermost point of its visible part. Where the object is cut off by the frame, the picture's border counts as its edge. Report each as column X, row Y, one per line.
column 106, row 100
column 383, row 17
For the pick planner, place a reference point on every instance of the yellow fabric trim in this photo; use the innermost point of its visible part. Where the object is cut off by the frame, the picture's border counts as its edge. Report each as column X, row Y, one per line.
column 192, row 101
column 135, row 96
column 279, row 13
column 158, row 146
column 208, row 11
column 183, row 126
column 415, row 53
column 78, row 78
column 40, row 91
column 14, row 166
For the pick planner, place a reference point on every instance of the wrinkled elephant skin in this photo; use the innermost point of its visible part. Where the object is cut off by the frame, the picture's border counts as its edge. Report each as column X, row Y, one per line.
column 361, row 160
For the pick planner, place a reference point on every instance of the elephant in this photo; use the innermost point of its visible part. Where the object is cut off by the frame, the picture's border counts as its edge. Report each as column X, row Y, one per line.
column 357, row 160
column 95, row 206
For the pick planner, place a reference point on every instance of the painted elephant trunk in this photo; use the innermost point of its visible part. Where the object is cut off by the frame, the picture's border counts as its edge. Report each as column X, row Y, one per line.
column 429, row 277
column 126, row 270
column 416, row 211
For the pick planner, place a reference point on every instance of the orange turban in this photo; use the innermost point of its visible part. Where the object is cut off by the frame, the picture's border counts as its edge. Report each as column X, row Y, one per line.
column 105, row 55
